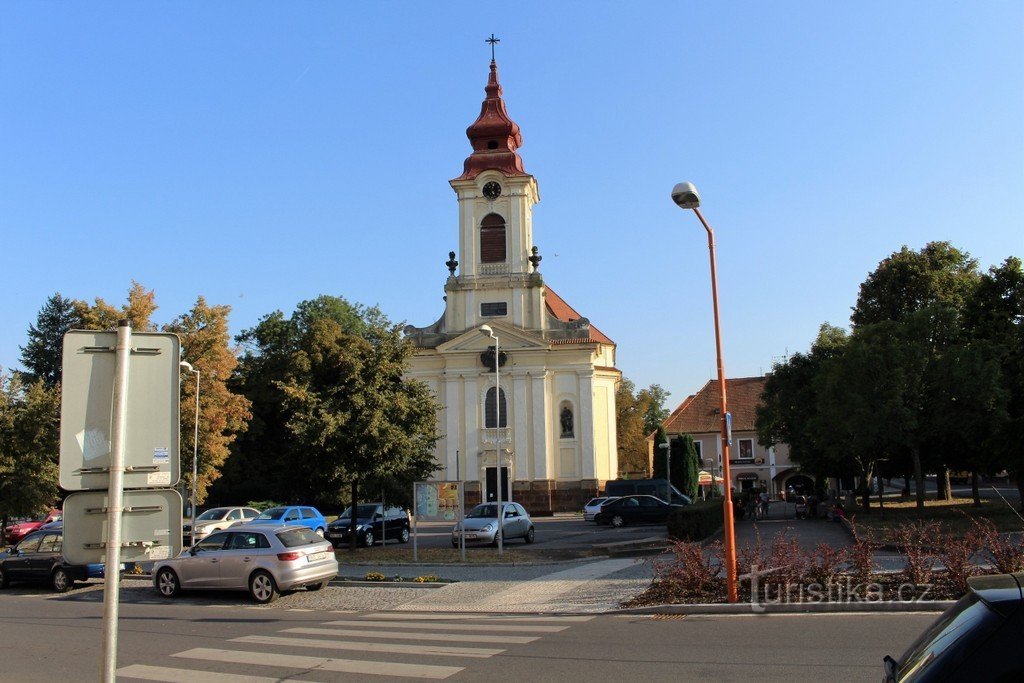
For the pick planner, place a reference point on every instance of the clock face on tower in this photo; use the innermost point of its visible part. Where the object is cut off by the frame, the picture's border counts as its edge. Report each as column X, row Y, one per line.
column 492, row 190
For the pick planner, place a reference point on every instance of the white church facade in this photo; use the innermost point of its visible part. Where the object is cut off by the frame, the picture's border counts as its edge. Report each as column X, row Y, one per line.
column 546, row 418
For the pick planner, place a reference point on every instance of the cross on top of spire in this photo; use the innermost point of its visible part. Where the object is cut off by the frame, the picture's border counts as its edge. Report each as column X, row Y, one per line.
column 492, row 40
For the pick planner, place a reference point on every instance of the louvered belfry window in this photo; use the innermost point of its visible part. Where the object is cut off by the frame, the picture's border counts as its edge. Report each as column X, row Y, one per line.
column 492, row 239
column 491, row 409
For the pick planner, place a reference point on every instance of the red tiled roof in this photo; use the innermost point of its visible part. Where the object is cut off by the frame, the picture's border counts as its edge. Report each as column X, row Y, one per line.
column 567, row 314
column 699, row 414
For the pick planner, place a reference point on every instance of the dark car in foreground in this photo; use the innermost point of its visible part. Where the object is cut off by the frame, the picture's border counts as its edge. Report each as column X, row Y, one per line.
column 634, row 510
column 977, row 639
column 374, row 522
column 263, row 559
column 37, row 558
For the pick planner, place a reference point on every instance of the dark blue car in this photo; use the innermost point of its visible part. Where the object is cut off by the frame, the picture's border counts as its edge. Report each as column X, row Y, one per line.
column 293, row 515
column 38, row 558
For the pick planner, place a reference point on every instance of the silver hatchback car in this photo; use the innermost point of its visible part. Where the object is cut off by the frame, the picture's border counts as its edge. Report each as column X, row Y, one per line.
column 481, row 524
column 262, row 559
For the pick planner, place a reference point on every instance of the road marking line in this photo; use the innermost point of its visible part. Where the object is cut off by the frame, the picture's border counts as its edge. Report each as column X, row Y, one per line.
column 448, row 627
column 404, row 648
column 420, row 616
column 169, row 675
column 353, row 666
column 405, row 635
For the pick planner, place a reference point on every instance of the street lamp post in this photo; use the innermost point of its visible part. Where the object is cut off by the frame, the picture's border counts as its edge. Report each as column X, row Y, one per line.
column 486, row 329
column 667, row 445
column 195, row 447
column 686, row 197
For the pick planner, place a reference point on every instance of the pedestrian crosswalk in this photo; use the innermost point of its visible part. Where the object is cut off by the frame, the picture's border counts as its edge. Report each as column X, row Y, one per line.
column 428, row 646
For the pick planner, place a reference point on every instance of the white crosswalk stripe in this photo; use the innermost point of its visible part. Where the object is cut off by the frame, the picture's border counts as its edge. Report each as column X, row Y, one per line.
column 371, row 639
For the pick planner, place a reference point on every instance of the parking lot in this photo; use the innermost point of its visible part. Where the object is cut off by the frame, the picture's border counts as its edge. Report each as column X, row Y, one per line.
column 567, row 531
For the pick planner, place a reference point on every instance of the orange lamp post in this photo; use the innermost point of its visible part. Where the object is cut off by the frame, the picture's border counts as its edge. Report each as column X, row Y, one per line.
column 685, row 196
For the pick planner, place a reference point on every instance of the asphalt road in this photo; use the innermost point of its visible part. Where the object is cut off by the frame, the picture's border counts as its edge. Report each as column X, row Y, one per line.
column 558, row 532
column 49, row 638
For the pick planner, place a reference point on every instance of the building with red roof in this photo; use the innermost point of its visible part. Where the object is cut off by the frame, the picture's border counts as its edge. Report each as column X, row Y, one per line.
column 542, row 405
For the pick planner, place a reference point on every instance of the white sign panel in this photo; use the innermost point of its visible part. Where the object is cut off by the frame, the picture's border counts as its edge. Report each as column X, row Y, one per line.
column 151, row 437
column 150, row 526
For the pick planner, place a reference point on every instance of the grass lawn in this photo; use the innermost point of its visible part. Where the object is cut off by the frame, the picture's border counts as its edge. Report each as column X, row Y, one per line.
column 395, row 554
column 955, row 514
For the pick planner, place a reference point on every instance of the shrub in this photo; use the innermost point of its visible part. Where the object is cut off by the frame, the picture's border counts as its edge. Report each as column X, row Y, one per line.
column 956, row 552
column 914, row 542
column 787, row 559
column 695, row 522
column 862, row 554
column 825, row 564
column 427, row 578
column 1005, row 554
column 262, row 505
column 374, row 576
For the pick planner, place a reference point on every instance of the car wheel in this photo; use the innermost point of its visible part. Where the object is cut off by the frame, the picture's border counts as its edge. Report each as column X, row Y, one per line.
column 320, row 532
column 529, row 535
column 317, row 586
column 368, row 539
column 404, row 537
column 167, row 583
column 60, row 580
column 4, row 579
column 262, row 587
column 618, row 521
column 497, row 537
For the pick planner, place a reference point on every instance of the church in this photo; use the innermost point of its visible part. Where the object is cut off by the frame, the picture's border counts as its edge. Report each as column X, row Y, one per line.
column 529, row 400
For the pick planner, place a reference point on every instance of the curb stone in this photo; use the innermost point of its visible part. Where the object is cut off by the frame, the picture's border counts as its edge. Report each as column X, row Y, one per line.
column 792, row 608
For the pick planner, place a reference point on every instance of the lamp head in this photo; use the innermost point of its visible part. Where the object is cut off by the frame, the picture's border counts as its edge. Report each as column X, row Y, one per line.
column 486, row 329
column 685, row 196
column 186, row 366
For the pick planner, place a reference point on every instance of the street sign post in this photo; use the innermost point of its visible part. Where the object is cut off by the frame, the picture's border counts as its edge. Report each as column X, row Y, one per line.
column 86, row 414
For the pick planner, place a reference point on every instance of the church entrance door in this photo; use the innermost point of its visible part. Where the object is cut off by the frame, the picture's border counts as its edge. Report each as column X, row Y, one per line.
column 492, row 485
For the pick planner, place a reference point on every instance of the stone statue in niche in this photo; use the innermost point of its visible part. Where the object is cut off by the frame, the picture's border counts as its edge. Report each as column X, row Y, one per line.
column 487, row 358
column 566, row 419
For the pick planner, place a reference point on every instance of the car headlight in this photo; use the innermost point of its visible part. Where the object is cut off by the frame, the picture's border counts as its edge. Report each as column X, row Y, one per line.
column 488, row 527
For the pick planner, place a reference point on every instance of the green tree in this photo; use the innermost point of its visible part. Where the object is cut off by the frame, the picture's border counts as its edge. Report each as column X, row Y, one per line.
column 654, row 411
column 354, row 414
column 631, row 433
column 29, row 425
column 223, row 414
column 685, row 468
column 43, row 354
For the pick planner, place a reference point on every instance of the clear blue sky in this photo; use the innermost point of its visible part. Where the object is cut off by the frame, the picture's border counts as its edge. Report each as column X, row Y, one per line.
column 264, row 153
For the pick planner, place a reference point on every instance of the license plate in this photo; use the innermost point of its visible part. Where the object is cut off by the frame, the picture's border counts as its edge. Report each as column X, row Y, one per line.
column 334, row 534
column 470, row 536
column 316, row 557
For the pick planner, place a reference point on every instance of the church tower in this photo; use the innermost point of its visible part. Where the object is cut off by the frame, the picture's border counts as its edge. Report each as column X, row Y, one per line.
column 545, row 425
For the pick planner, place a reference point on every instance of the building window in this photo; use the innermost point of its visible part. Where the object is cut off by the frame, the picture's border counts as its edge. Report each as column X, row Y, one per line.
column 746, row 449
column 492, row 239
column 567, row 421
column 491, row 413
column 491, row 310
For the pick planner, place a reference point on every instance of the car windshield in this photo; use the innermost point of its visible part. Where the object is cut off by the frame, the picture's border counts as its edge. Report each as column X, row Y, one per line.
column 947, row 630
column 209, row 515
column 297, row 536
column 272, row 513
column 362, row 512
column 593, row 502
column 486, row 510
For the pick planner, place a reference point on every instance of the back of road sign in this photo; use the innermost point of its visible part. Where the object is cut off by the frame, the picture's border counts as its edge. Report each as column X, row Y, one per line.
column 151, row 437
column 151, row 526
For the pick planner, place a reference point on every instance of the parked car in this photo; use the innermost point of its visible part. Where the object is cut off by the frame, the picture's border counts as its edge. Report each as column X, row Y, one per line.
column 647, row 487
column 293, row 515
column 374, row 522
column 216, row 519
column 593, row 506
column 18, row 530
column 634, row 510
column 263, row 559
column 38, row 558
column 977, row 639
column 481, row 524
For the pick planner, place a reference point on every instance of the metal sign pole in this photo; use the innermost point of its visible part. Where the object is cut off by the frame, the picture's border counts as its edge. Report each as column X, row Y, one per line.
column 115, row 500
column 383, row 521
column 497, row 449
column 415, row 526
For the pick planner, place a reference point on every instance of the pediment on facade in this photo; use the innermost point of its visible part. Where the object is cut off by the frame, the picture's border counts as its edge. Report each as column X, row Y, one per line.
column 510, row 339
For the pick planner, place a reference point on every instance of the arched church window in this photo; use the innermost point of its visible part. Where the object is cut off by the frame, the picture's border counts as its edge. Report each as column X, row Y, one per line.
column 566, row 420
column 492, row 239
column 491, row 409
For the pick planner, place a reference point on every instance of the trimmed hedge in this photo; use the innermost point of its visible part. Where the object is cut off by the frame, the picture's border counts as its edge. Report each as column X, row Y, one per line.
column 695, row 522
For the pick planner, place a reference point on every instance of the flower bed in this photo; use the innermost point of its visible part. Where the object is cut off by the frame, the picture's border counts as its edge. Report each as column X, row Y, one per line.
column 936, row 565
